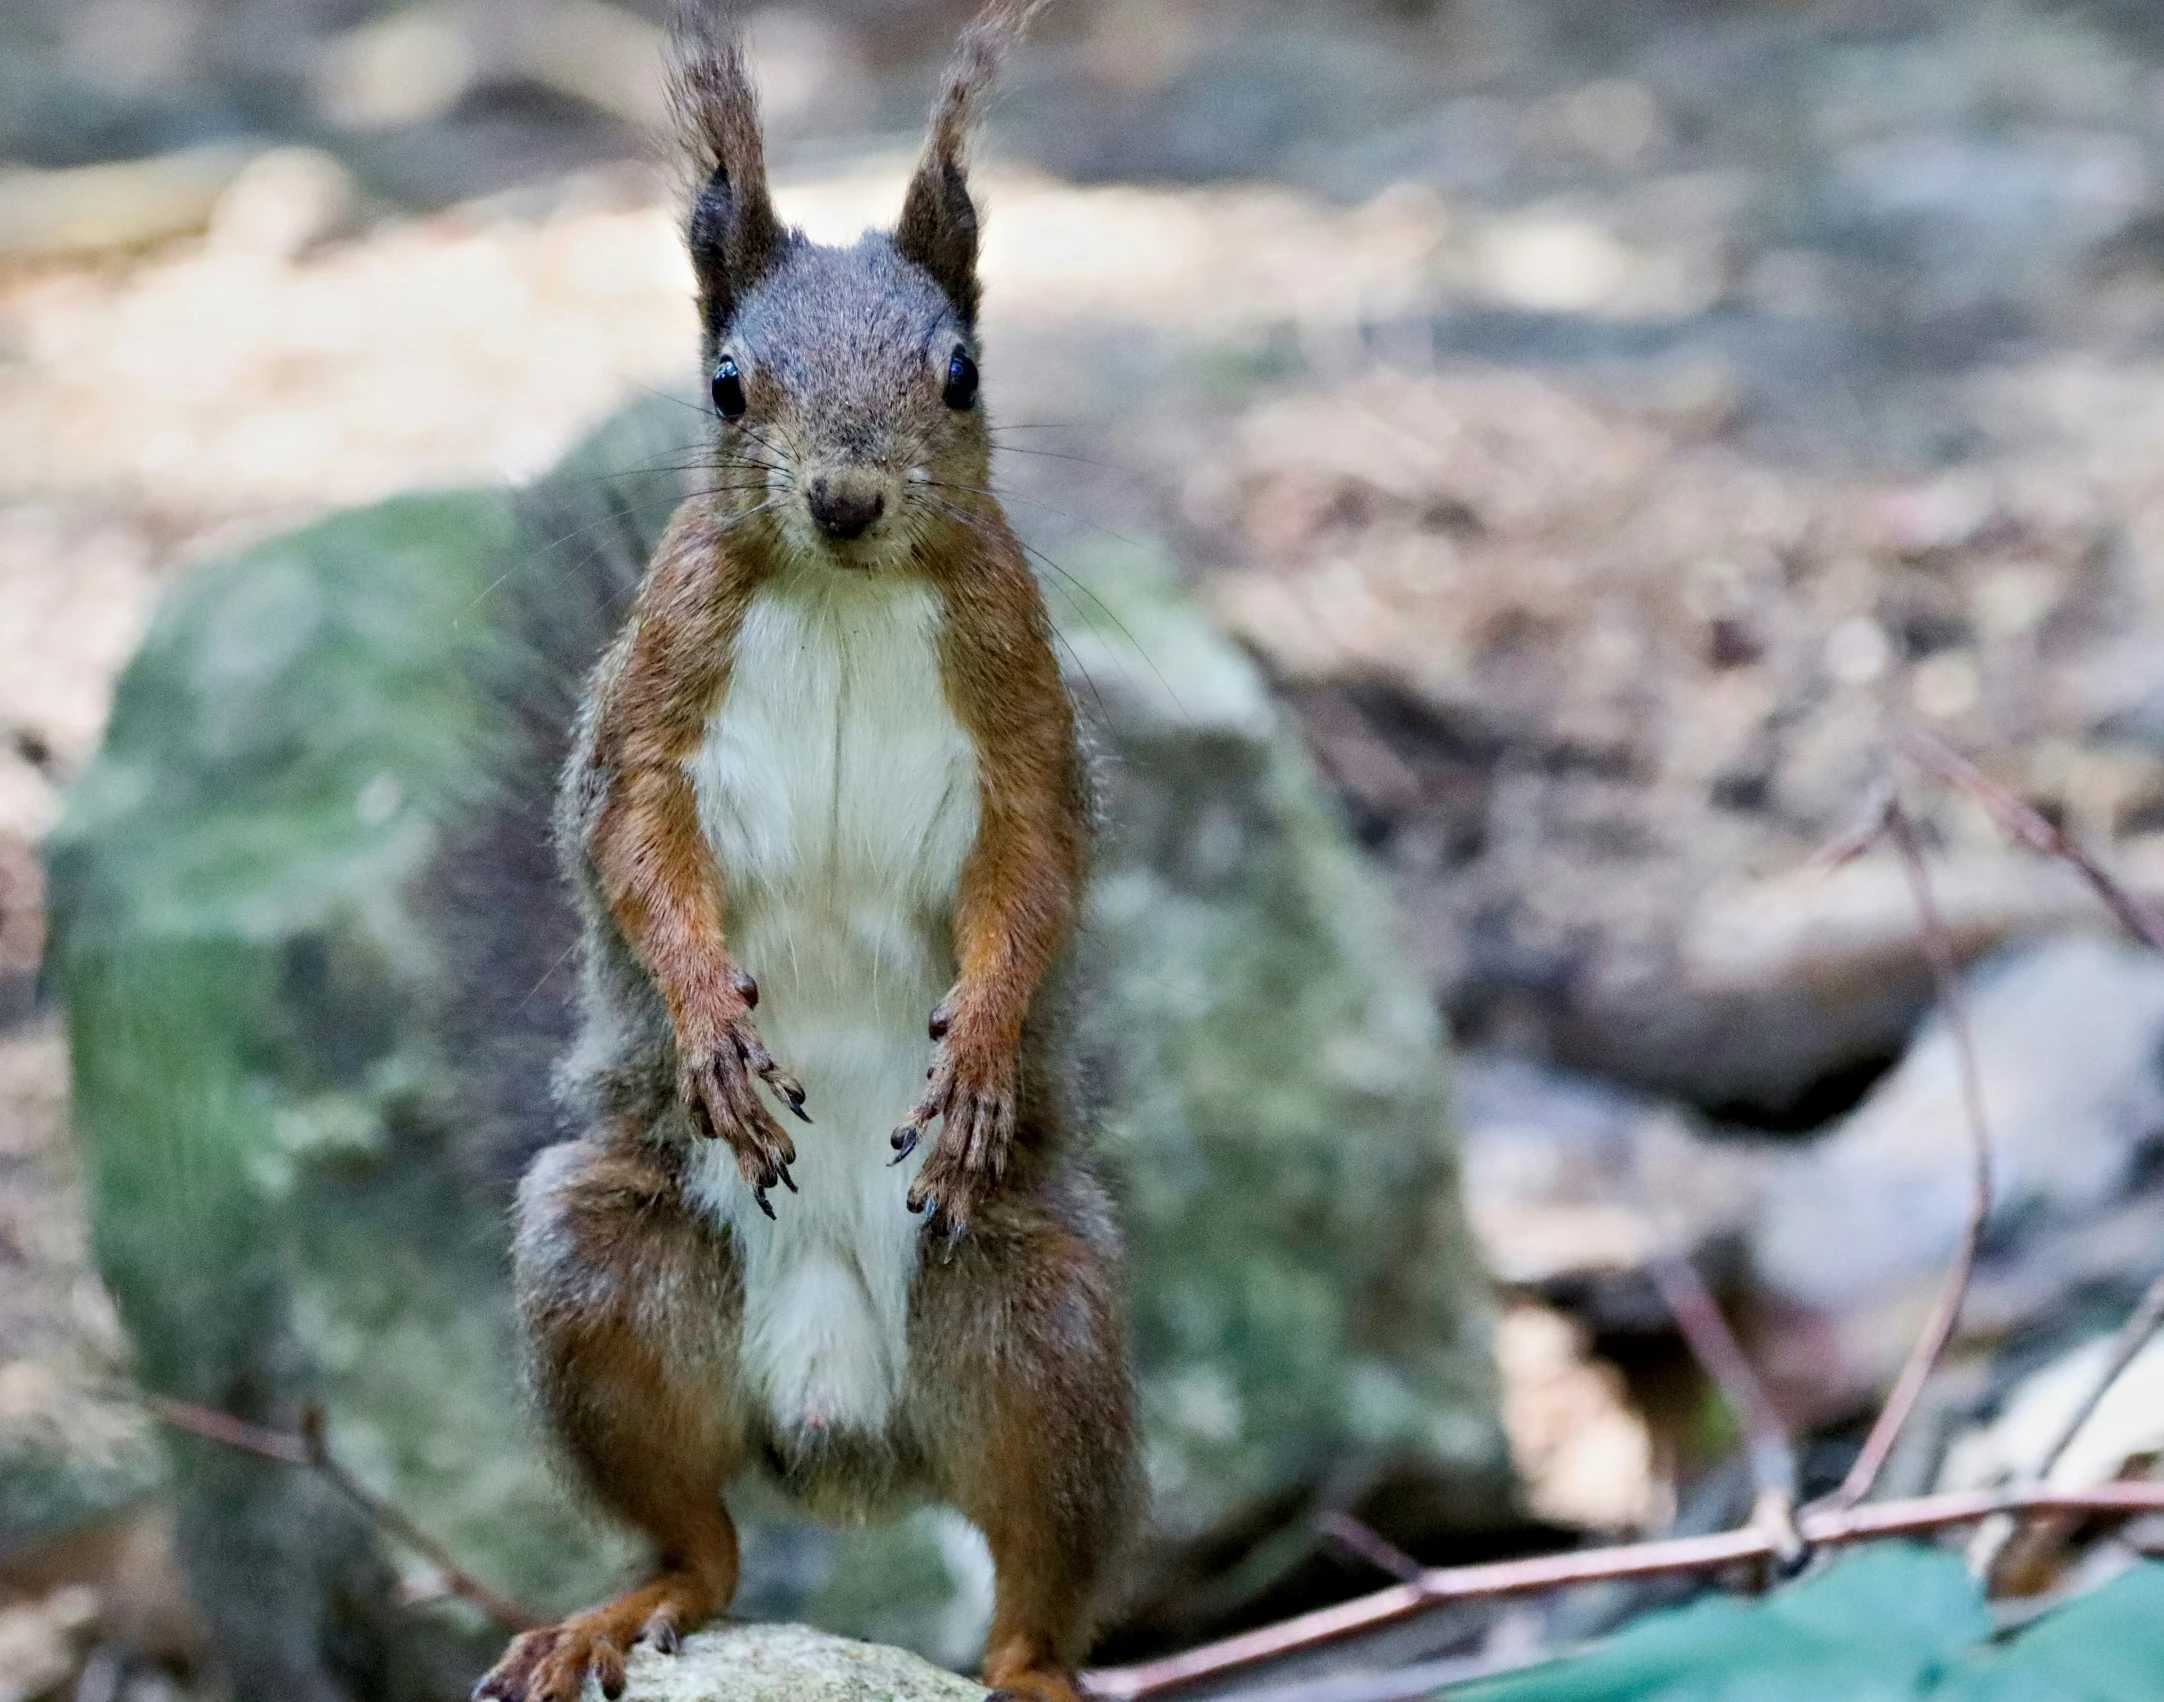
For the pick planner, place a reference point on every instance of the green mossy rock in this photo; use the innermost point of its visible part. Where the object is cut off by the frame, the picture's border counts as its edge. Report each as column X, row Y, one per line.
column 315, row 963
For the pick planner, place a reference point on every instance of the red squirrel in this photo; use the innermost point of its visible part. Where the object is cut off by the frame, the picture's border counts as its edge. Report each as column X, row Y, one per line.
column 827, row 818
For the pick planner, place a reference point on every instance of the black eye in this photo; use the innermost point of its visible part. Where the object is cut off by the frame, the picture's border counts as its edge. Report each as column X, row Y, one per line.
column 961, row 388
column 728, row 389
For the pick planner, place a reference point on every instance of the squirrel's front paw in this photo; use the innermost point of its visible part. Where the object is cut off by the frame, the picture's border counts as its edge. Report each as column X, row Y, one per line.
column 718, row 1057
column 972, row 1091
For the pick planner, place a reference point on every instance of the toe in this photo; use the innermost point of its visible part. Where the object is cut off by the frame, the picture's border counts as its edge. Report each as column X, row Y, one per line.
column 509, row 1679
column 563, row 1675
column 662, row 1636
column 606, row 1663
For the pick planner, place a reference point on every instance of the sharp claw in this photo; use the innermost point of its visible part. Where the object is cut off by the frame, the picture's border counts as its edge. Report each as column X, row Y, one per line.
column 787, row 1181
column 759, row 1194
column 903, row 1141
column 663, row 1637
column 797, row 1105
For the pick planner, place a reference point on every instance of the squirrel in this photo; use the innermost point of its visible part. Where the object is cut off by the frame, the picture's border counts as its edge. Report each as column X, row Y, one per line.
column 827, row 819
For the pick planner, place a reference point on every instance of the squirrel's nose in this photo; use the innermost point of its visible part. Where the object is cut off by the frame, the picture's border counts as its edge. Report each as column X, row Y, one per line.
column 843, row 513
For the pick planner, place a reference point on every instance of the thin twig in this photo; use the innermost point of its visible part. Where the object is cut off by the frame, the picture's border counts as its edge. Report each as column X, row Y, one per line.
column 1358, row 1537
column 2026, row 826
column 1772, row 1455
column 228, row 1431
column 1823, row 1526
column 310, row 1451
column 1863, row 832
column 1988, row 1550
column 1946, row 1310
column 2135, row 1334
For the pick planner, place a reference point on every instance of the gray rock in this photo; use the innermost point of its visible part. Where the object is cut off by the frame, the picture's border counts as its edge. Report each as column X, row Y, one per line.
column 788, row 1663
column 1855, row 1233
column 1575, row 1186
column 315, row 959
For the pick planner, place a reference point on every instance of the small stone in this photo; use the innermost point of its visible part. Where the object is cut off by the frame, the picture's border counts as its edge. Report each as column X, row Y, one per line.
column 1854, row 1234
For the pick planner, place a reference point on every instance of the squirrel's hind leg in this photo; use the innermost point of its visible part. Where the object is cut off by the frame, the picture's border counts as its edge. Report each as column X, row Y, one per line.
column 617, row 1285
column 1025, row 1391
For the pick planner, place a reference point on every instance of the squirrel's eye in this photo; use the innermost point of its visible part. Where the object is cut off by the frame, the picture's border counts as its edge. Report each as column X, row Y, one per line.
column 961, row 388
column 728, row 389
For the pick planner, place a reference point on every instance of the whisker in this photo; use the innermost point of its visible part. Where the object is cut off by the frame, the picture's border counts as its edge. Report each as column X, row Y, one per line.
column 760, row 438
column 998, row 495
column 1106, row 608
column 669, row 396
column 701, row 465
column 1060, row 638
column 1109, row 615
column 700, row 460
column 1081, row 520
column 621, row 511
column 706, row 413
column 1063, row 455
column 545, row 546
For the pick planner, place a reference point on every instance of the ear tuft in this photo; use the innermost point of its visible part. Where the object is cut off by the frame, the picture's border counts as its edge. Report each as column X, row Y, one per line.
column 938, row 229
column 733, row 235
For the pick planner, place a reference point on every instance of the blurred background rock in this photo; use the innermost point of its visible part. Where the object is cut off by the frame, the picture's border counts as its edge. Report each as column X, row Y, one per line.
column 1597, row 422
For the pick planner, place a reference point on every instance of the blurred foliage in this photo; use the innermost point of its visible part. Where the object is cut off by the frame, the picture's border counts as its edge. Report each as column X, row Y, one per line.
column 1893, row 1622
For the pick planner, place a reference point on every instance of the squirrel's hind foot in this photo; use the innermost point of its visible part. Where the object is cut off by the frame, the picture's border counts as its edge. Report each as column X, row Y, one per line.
column 1039, row 1684
column 552, row 1664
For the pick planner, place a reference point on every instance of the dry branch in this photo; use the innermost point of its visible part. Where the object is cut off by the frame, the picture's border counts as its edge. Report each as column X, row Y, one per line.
column 1767, row 1447
column 2141, row 1325
column 1359, row 1538
column 1823, row 1526
column 1989, row 1553
column 2027, row 827
column 1900, row 828
column 310, row 1451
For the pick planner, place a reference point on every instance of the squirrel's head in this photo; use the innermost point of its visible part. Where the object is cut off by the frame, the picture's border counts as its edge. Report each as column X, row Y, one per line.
column 843, row 380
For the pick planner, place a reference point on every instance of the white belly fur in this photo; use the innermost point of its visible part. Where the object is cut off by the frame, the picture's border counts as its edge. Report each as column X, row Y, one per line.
column 840, row 796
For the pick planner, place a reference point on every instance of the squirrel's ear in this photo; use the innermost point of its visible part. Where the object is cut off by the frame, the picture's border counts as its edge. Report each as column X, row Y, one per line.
column 939, row 220
column 734, row 236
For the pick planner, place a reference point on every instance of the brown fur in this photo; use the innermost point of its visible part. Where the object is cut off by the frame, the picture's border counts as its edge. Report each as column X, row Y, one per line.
column 1016, row 1406
column 658, row 876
